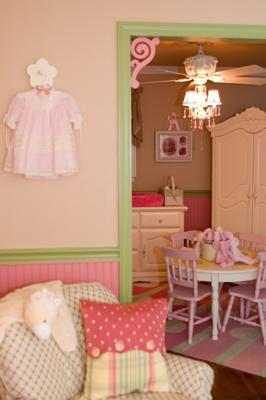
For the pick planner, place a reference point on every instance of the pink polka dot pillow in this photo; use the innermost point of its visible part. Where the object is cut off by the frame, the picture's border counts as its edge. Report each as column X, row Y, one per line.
column 125, row 344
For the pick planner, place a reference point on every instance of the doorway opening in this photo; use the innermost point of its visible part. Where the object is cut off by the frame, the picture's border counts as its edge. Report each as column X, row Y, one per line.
column 125, row 32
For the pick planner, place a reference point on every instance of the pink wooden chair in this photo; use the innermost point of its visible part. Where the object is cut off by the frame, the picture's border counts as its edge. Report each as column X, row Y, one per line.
column 183, row 239
column 250, row 242
column 181, row 267
column 252, row 293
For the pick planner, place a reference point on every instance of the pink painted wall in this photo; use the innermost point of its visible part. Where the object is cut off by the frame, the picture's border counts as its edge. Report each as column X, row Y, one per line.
column 198, row 215
column 13, row 276
column 80, row 40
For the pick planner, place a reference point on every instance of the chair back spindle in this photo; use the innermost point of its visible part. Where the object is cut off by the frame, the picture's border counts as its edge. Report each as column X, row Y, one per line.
column 250, row 242
column 261, row 276
column 183, row 239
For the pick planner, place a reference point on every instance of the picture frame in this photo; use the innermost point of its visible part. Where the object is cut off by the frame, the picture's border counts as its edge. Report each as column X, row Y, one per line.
column 173, row 146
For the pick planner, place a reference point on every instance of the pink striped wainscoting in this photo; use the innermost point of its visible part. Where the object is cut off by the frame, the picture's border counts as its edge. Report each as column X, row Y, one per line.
column 13, row 276
column 198, row 215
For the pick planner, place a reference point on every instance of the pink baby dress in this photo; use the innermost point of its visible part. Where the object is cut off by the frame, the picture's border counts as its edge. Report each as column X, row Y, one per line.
column 43, row 143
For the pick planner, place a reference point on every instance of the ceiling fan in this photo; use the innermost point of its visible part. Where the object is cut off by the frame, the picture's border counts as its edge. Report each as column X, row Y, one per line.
column 201, row 67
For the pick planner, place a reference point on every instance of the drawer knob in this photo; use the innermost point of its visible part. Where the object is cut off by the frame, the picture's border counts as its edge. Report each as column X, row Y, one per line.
column 160, row 221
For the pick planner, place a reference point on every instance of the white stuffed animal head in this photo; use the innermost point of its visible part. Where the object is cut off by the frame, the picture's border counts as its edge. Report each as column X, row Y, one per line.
column 40, row 312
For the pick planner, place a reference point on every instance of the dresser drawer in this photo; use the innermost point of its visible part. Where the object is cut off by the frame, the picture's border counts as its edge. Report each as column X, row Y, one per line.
column 135, row 220
column 166, row 219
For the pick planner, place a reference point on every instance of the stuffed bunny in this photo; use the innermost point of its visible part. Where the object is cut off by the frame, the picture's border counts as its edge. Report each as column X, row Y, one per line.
column 40, row 312
column 237, row 254
column 224, row 254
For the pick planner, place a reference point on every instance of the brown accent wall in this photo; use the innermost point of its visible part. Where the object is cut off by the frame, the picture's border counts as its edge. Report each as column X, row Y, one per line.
column 157, row 102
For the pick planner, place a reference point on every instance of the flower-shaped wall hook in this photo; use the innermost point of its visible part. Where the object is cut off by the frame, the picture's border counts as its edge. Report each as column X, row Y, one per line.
column 41, row 73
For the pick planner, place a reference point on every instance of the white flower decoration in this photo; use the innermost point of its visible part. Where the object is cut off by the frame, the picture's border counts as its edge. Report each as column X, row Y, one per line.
column 41, row 73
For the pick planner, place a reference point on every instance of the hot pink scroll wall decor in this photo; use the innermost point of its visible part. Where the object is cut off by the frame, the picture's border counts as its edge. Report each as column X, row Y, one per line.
column 142, row 51
column 13, row 276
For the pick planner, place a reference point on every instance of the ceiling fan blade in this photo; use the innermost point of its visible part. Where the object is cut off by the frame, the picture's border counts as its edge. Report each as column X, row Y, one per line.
column 168, row 81
column 241, row 80
column 161, row 70
column 246, row 70
column 184, row 80
column 168, row 71
column 160, row 81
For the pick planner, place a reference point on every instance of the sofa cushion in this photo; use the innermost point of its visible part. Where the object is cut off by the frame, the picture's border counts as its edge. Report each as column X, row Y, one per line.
column 188, row 377
column 34, row 369
column 124, row 344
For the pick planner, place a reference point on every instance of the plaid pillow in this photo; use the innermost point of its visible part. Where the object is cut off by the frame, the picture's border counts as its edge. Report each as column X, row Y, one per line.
column 124, row 345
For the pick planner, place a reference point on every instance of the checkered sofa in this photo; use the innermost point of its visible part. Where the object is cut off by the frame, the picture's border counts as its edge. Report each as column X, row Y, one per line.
column 32, row 369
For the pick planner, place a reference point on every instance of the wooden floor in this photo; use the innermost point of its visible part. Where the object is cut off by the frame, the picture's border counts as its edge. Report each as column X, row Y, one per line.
column 230, row 384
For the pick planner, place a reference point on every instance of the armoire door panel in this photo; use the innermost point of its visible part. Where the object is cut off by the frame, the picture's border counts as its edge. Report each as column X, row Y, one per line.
column 236, row 219
column 232, row 180
column 259, row 183
column 234, row 164
column 259, row 219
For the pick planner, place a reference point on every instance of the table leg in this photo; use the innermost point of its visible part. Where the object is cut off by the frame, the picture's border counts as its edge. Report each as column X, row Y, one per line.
column 215, row 306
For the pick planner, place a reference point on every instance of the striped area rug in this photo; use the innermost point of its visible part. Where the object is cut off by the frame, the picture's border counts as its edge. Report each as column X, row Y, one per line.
column 240, row 347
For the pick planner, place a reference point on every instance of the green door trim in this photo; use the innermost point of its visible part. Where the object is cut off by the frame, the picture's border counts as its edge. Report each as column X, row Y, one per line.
column 126, row 30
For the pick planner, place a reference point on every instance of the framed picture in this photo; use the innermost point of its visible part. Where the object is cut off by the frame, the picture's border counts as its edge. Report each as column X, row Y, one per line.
column 173, row 146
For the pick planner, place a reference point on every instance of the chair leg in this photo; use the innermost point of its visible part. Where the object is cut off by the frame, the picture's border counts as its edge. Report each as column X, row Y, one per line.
column 170, row 306
column 228, row 312
column 219, row 320
column 262, row 323
column 242, row 308
column 191, row 314
column 247, row 311
column 220, row 308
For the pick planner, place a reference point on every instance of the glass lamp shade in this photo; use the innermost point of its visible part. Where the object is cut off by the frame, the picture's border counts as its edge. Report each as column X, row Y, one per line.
column 213, row 98
column 190, row 99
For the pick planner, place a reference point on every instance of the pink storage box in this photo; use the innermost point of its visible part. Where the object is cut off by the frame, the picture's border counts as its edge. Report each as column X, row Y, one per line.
column 140, row 199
